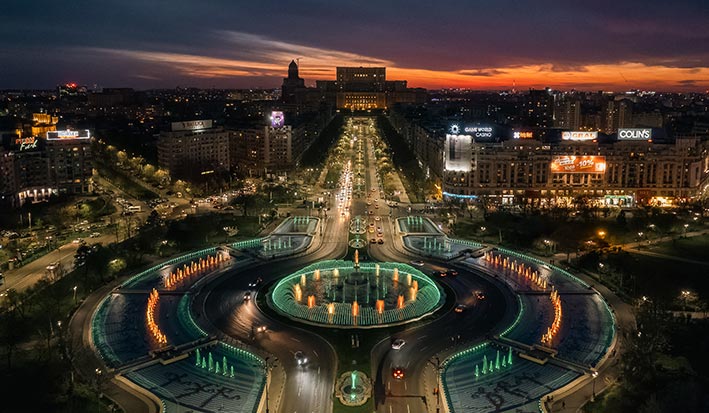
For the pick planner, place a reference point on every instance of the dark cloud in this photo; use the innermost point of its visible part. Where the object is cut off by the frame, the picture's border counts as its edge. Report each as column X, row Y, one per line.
column 48, row 41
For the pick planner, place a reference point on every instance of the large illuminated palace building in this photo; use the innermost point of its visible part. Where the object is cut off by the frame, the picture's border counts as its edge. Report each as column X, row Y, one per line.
column 525, row 167
column 355, row 89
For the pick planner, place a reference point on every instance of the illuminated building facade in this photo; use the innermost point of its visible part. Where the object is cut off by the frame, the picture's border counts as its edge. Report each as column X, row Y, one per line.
column 627, row 170
column 194, row 147
column 263, row 150
column 37, row 168
column 354, row 88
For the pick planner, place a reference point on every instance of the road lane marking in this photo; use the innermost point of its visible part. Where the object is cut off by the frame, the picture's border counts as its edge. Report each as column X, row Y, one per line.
column 316, row 353
column 405, row 386
column 388, row 385
column 390, row 410
column 408, row 409
column 295, row 339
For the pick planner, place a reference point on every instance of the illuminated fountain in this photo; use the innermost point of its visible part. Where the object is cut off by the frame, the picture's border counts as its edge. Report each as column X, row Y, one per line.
column 353, row 388
column 354, row 294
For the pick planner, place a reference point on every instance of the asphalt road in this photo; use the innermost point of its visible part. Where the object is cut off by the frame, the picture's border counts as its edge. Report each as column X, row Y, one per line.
column 309, row 388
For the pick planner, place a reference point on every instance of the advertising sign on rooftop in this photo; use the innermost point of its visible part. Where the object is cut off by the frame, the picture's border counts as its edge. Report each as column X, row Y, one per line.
column 458, row 153
column 579, row 136
column 519, row 134
column 68, row 134
column 634, row 134
column 478, row 132
column 277, row 119
column 192, row 125
column 578, row 164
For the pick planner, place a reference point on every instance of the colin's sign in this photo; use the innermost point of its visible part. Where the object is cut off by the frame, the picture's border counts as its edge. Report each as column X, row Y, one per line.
column 634, row 134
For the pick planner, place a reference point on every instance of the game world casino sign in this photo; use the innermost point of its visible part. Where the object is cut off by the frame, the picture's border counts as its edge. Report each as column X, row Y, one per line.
column 477, row 132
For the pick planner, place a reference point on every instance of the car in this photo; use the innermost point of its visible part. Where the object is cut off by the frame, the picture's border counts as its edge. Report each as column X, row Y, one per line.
column 255, row 283
column 418, row 263
column 479, row 295
column 380, row 241
column 94, row 235
column 398, row 343
column 397, row 373
column 247, row 296
column 77, row 241
column 373, row 241
column 300, row 358
column 371, row 230
column 460, row 308
column 438, row 274
column 452, row 273
column 377, row 218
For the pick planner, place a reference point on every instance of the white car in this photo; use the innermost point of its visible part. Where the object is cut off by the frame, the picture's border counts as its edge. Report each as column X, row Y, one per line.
column 300, row 358
column 398, row 343
column 418, row 263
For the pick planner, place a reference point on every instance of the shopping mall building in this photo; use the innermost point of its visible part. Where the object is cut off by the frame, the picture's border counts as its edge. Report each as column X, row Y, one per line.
column 628, row 168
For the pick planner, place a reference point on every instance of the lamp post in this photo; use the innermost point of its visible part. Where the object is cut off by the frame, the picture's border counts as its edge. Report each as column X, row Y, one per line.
column 594, row 374
column 437, row 391
column 98, row 389
column 267, row 367
column 74, row 293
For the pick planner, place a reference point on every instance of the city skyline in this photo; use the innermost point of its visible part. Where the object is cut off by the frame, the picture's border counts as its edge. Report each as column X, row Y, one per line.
column 633, row 45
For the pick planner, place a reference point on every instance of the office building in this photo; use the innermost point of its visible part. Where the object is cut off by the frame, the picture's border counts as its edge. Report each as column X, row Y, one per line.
column 37, row 168
column 192, row 148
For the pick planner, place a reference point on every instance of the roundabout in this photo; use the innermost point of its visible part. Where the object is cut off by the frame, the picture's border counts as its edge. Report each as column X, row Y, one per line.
column 294, row 321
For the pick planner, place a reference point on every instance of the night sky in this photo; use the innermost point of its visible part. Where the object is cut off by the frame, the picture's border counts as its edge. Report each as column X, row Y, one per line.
column 589, row 45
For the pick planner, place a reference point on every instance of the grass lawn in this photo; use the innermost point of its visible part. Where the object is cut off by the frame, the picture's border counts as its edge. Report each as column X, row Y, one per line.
column 694, row 248
column 643, row 275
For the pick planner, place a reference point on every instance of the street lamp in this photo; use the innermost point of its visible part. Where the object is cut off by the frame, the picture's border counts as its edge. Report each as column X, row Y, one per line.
column 74, row 289
column 437, row 366
column 594, row 374
column 267, row 367
column 685, row 297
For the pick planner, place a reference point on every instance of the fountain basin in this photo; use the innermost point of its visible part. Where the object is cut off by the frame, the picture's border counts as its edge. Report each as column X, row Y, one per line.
column 336, row 294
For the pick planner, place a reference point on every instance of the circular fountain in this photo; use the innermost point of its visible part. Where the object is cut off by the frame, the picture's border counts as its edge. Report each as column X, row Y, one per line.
column 349, row 295
column 353, row 388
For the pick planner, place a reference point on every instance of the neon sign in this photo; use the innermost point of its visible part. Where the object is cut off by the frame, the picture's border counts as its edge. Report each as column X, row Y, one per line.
column 579, row 136
column 26, row 143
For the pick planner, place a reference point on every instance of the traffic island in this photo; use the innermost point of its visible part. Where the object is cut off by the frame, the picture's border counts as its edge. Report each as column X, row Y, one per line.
column 353, row 388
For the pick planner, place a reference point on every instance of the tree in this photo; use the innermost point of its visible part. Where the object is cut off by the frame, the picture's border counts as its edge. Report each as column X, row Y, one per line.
column 162, row 177
column 248, row 202
column 121, row 157
column 148, row 171
column 11, row 334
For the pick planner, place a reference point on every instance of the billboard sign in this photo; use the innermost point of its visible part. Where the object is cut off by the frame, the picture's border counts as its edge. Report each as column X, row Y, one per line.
column 458, row 153
column 277, row 119
column 483, row 132
column 68, row 134
column 192, row 125
column 522, row 134
column 24, row 144
column 634, row 134
column 578, row 164
column 579, row 136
